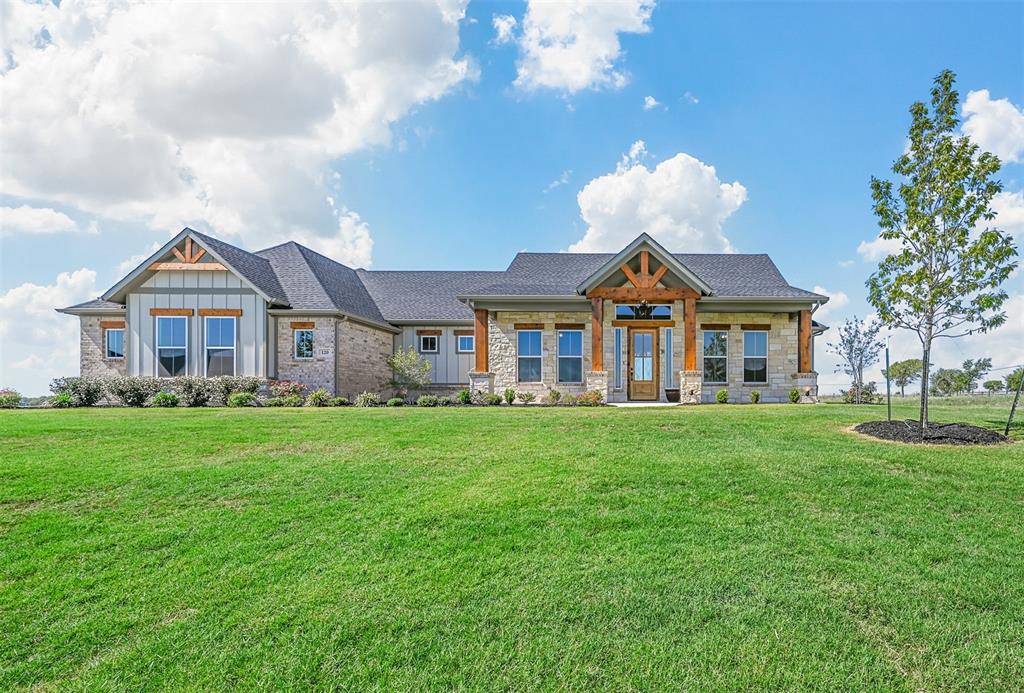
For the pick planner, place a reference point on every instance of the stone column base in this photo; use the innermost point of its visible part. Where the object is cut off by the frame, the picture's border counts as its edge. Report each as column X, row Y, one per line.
column 807, row 384
column 691, row 385
column 597, row 380
column 481, row 382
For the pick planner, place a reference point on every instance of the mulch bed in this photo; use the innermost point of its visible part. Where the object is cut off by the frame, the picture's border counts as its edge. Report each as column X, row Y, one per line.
column 909, row 431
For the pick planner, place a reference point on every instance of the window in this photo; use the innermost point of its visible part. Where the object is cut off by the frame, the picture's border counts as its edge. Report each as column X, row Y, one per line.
column 303, row 344
column 755, row 357
column 528, row 345
column 570, row 356
column 171, row 346
column 669, row 375
column 716, row 348
column 428, row 343
column 618, row 358
column 643, row 311
column 465, row 344
column 220, row 346
column 115, row 344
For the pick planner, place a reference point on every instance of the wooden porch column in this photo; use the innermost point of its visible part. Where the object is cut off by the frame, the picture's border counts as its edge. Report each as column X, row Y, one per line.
column 805, row 342
column 690, row 334
column 597, row 334
column 480, row 339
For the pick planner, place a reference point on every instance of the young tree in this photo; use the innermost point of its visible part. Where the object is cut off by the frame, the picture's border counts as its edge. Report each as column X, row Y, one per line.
column 949, row 381
column 975, row 370
column 943, row 279
column 1013, row 379
column 993, row 386
column 858, row 347
column 409, row 371
column 903, row 373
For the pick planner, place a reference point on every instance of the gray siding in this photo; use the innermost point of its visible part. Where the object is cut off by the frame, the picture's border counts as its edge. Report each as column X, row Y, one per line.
column 446, row 365
column 196, row 290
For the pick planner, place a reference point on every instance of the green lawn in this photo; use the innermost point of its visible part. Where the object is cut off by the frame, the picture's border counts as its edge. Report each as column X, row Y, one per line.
column 677, row 548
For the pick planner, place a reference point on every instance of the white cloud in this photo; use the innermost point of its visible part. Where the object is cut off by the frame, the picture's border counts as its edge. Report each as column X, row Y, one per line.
column 1009, row 209
column 691, row 98
column 128, row 264
column 650, row 103
column 680, row 202
column 352, row 245
column 34, row 220
column 561, row 180
column 878, row 248
column 504, row 26
column 175, row 114
column 846, row 263
column 37, row 343
column 837, row 300
column 574, row 45
column 996, row 125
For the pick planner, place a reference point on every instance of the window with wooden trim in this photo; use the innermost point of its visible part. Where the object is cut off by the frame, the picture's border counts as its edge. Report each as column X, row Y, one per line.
column 465, row 344
column 428, row 343
column 570, row 356
column 669, row 366
column 114, row 339
column 528, row 354
column 303, row 344
column 618, row 358
column 716, row 355
column 755, row 357
column 220, row 346
column 642, row 311
column 171, row 346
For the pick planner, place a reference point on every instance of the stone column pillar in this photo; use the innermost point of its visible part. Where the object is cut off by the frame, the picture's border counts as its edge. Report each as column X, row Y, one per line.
column 481, row 382
column 807, row 385
column 691, row 384
column 598, row 380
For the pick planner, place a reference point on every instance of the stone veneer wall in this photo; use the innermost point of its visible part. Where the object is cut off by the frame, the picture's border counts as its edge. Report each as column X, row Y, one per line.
column 783, row 349
column 621, row 394
column 363, row 354
column 318, row 371
column 502, row 352
column 93, row 361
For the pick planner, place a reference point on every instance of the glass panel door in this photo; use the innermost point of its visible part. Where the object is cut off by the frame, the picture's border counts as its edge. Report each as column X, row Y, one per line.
column 643, row 356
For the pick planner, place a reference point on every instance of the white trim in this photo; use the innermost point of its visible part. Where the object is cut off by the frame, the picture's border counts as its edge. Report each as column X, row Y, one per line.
column 156, row 341
column 558, row 358
column 106, row 343
column 437, row 343
column 234, row 342
column 295, row 344
column 726, row 357
column 458, row 341
column 765, row 357
column 539, row 357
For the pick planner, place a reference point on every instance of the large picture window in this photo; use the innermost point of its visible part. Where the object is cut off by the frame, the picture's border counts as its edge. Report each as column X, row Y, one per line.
column 716, row 353
column 171, row 346
column 529, row 351
column 303, row 344
column 755, row 357
column 570, row 356
column 220, row 346
column 115, row 344
column 643, row 311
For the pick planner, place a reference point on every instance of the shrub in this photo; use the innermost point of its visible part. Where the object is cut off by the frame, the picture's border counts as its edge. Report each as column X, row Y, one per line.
column 62, row 401
column 590, row 398
column 9, row 399
column 526, row 397
column 794, row 395
column 868, row 394
column 289, row 401
column 447, row 401
column 569, row 400
column 224, row 385
column 274, row 402
column 84, row 391
column 492, row 399
column 318, row 398
column 395, row 402
column 427, row 401
column 133, row 390
column 755, row 397
column 243, row 399
column 722, row 396
column 287, row 388
column 552, row 397
column 409, row 371
column 340, row 402
column 465, row 397
column 194, row 391
column 367, row 399
column 165, row 399
column 510, row 396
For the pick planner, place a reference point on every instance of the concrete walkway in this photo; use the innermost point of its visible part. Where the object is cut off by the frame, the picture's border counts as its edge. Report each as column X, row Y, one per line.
column 643, row 404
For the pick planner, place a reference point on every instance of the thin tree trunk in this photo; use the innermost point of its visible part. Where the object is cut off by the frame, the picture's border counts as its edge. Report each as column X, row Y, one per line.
column 924, row 387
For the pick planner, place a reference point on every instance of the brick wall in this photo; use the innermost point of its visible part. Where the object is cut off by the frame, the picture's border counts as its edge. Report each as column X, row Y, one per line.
column 502, row 351
column 363, row 354
column 93, row 349
column 318, row 371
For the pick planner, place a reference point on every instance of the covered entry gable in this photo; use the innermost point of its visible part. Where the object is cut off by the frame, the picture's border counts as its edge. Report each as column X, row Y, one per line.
column 643, row 270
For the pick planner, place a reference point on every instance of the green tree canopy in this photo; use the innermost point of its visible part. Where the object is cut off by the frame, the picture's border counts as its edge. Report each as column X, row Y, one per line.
column 903, row 373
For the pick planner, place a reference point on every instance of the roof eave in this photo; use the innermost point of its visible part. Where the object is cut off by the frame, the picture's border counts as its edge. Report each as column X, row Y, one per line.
column 331, row 312
column 71, row 310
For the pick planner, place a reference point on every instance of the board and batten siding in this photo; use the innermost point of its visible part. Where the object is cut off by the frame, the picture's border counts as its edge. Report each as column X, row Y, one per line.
column 197, row 290
column 446, row 366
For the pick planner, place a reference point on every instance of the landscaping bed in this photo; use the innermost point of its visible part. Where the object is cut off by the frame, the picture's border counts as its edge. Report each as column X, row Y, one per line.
column 909, row 431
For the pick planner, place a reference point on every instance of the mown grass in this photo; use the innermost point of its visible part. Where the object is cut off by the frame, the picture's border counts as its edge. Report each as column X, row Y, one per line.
column 708, row 547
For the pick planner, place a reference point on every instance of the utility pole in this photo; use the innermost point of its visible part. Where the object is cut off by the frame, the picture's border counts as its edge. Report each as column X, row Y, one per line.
column 888, row 387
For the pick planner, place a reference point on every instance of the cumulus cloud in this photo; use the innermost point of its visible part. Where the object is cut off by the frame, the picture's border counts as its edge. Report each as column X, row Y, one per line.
column 1009, row 209
column 37, row 343
column 504, row 26
column 680, row 202
column 837, row 300
column 650, row 103
column 574, row 45
column 177, row 114
column 34, row 220
column 996, row 125
column 877, row 249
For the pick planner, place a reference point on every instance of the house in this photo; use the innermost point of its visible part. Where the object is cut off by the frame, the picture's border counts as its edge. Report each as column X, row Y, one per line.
column 635, row 325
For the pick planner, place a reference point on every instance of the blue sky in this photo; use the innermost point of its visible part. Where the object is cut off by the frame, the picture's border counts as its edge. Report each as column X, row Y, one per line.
column 455, row 149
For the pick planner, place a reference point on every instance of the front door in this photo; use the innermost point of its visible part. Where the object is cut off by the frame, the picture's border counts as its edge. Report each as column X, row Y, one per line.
column 643, row 363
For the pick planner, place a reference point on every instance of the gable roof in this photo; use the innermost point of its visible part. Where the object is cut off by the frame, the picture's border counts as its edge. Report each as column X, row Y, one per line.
column 645, row 242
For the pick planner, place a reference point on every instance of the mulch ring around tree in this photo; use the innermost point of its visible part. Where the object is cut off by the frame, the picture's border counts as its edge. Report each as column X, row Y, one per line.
column 909, row 431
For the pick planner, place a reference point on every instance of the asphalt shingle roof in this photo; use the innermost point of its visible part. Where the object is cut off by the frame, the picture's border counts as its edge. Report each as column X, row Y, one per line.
column 424, row 295
column 254, row 268
column 95, row 304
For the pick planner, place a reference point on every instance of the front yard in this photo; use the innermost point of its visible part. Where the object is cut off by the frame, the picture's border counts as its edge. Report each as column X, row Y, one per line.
column 677, row 548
